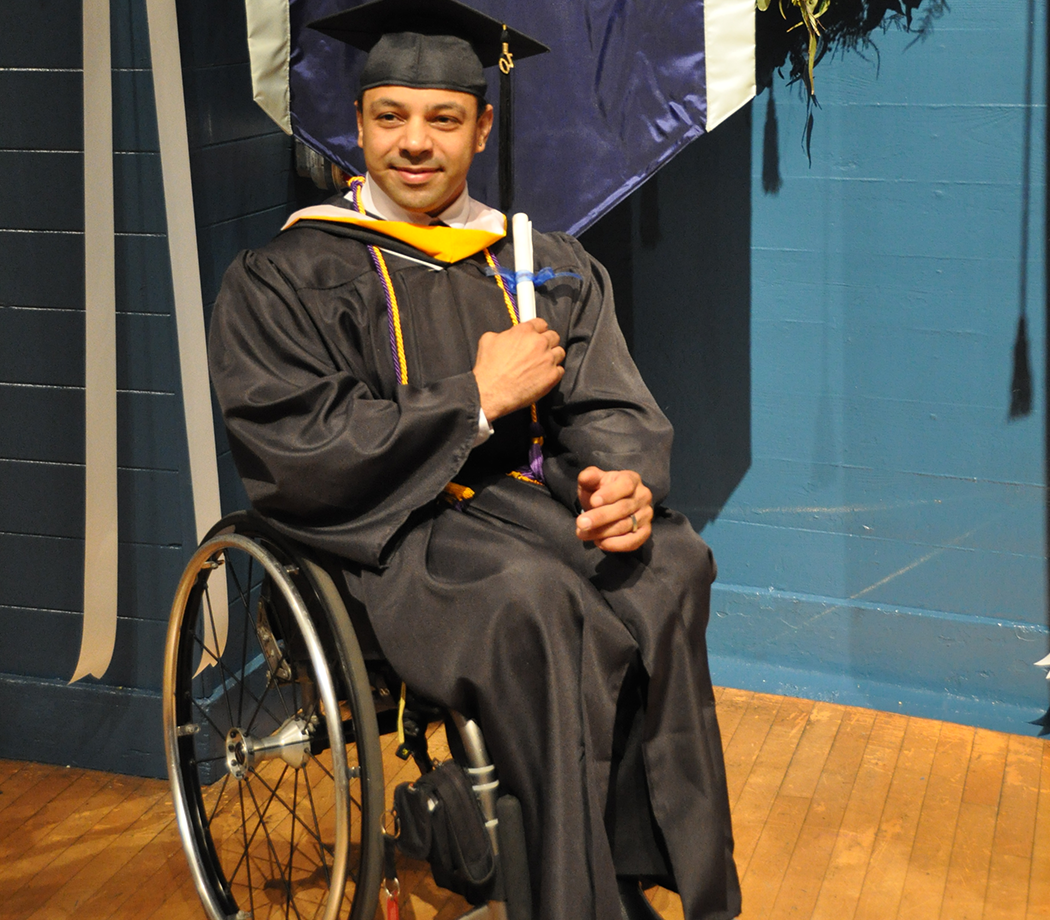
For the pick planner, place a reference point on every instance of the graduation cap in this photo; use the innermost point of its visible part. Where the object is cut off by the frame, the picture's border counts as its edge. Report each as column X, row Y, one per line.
column 437, row 44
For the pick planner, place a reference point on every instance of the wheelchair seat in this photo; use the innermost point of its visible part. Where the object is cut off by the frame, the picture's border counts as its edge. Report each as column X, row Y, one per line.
column 272, row 737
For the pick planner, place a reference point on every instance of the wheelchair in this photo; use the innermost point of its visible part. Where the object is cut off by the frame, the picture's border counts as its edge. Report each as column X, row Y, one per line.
column 272, row 738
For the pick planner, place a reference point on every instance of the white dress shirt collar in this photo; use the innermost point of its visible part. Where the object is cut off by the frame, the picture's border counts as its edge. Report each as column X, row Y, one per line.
column 464, row 212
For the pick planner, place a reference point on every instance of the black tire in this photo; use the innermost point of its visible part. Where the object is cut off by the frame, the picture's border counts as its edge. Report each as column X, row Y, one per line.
column 279, row 804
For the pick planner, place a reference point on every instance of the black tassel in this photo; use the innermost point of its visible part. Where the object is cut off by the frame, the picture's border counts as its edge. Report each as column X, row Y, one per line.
column 506, row 133
column 1021, row 385
column 771, row 180
column 1044, row 722
column 807, row 134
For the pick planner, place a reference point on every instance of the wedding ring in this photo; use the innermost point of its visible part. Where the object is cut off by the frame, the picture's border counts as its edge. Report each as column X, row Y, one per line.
column 634, row 523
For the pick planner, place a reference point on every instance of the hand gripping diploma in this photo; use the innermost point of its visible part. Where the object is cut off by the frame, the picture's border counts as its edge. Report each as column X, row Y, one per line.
column 517, row 367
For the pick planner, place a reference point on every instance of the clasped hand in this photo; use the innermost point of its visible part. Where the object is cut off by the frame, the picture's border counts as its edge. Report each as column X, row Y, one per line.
column 617, row 509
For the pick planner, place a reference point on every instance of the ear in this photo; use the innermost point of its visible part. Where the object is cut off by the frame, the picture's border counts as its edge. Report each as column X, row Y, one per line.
column 360, row 124
column 484, row 128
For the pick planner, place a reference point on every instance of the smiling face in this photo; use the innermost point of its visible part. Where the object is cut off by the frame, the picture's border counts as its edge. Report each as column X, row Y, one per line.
column 419, row 143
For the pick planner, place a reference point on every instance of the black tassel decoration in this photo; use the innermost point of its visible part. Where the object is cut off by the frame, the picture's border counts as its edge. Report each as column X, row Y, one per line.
column 506, row 130
column 807, row 134
column 1021, row 384
column 771, row 181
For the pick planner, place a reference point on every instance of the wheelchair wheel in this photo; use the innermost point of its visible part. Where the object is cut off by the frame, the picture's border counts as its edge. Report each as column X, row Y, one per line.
column 272, row 747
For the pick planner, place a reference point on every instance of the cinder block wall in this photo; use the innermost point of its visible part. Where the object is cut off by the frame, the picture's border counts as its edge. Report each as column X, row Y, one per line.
column 883, row 543
column 242, row 188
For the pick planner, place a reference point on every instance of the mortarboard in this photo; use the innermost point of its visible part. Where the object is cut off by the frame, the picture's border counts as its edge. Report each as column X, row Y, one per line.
column 439, row 44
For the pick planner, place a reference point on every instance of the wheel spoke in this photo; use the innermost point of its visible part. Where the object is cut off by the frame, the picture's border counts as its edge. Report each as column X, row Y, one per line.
column 258, row 824
column 244, row 858
column 260, row 706
column 218, row 798
column 244, row 652
column 291, row 840
column 274, row 856
column 317, row 825
column 235, row 578
column 259, row 701
column 217, row 658
column 290, row 810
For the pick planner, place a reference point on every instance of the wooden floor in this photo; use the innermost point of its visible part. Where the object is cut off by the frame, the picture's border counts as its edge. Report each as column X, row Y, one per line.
column 839, row 814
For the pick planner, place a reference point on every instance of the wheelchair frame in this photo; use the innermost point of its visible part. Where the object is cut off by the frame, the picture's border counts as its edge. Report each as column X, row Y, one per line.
column 272, row 739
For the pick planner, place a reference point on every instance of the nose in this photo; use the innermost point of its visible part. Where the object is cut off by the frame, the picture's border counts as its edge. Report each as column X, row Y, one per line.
column 415, row 139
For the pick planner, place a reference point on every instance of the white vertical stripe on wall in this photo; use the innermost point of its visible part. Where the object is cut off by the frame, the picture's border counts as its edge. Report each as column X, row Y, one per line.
column 185, row 275
column 100, row 364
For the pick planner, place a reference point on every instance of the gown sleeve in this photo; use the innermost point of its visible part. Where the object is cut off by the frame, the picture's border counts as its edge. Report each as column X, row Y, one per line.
column 602, row 413
column 322, row 454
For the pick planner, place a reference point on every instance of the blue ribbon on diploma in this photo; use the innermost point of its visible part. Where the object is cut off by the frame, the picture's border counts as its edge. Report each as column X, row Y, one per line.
column 512, row 279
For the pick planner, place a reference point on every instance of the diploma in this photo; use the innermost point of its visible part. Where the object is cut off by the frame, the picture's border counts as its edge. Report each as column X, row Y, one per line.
column 526, row 292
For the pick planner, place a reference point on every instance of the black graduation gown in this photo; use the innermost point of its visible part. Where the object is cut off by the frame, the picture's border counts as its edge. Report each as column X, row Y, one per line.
column 495, row 608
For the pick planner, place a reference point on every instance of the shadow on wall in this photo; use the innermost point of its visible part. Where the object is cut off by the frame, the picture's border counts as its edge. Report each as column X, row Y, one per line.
column 679, row 253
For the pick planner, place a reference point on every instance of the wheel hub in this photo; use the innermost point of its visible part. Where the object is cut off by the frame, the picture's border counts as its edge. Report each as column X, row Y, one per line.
column 291, row 743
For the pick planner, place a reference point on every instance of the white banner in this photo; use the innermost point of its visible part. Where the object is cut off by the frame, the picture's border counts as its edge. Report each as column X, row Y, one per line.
column 100, row 358
column 269, row 49
column 729, row 57
column 186, row 281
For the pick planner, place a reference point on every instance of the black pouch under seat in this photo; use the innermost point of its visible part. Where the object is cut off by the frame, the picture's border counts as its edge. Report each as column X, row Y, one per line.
column 440, row 821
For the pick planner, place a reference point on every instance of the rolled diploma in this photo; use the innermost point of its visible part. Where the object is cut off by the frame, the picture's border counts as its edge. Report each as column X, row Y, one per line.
column 526, row 292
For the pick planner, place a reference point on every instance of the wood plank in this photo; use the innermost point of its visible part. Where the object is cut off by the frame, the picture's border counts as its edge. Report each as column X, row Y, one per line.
column 756, row 799
column 968, row 867
column 1039, row 882
column 816, row 835
column 66, row 844
column 1011, row 856
column 742, row 751
column 844, row 878
column 156, row 865
column 761, row 881
column 25, row 793
column 59, row 820
column 812, row 750
column 104, row 853
column 180, row 902
column 666, row 903
column 883, row 884
column 730, row 706
column 928, row 864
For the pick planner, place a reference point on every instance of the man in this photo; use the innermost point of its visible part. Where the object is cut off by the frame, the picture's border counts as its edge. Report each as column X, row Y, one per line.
column 493, row 485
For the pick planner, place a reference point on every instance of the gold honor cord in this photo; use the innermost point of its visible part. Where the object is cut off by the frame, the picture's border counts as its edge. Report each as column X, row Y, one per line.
column 453, row 491
column 100, row 352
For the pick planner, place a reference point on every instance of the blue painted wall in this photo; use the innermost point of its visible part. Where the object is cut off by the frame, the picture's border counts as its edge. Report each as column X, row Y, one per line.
column 886, row 545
